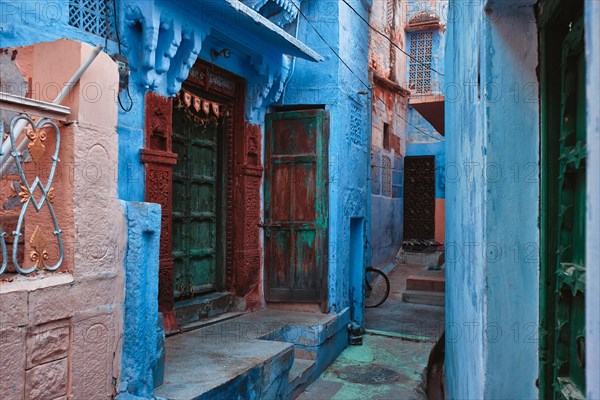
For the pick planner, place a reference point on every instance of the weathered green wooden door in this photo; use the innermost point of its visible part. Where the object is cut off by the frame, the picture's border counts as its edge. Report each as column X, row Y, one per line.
column 197, row 193
column 562, row 339
column 296, row 206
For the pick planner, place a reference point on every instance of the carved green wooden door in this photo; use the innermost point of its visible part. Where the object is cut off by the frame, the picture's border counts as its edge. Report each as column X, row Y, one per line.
column 296, row 206
column 563, row 271
column 197, row 187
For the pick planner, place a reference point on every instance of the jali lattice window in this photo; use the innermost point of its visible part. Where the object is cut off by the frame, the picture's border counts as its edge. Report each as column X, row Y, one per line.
column 93, row 16
column 420, row 62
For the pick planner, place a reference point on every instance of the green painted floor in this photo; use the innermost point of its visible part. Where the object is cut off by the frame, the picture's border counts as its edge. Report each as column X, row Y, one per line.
column 390, row 363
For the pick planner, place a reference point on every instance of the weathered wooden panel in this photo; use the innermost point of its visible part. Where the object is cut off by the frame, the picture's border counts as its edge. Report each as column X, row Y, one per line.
column 296, row 206
column 197, row 193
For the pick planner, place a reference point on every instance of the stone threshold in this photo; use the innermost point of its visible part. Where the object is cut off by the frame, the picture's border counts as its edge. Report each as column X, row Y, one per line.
column 265, row 354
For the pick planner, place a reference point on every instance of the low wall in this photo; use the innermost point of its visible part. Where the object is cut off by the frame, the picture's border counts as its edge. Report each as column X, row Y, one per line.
column 60, row 332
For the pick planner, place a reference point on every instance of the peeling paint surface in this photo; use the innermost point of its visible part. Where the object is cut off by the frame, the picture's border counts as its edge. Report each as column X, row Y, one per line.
column 491, row 285
column 333, row 85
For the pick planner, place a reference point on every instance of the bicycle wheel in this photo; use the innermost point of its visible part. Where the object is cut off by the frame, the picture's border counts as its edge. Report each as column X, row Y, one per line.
column 377, row 287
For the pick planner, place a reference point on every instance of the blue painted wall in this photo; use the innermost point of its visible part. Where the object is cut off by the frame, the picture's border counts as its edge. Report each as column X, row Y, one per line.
column 492, row 277
column 387, row 212
column 592, row 292
column 331, row 83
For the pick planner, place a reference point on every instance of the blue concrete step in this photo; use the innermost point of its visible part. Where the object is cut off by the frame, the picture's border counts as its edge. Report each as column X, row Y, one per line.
column 300, row 376
column 199, row 367
column 252, row 356
column 423, row 297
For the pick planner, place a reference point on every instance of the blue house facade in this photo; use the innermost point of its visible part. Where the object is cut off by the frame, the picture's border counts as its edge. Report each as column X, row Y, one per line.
column 521, row 277
column 221, row 102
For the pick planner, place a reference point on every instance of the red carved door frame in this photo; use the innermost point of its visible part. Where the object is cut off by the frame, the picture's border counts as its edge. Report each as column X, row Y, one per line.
column 243, row 254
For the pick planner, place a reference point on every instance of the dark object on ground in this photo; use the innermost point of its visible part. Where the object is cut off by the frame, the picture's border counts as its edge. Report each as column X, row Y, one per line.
column 435, row 370
column 421, row 245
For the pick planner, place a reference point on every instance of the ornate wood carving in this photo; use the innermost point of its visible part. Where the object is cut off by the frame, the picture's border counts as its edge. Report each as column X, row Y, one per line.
column 243, row 256
column 159, row 160
column 248, row 255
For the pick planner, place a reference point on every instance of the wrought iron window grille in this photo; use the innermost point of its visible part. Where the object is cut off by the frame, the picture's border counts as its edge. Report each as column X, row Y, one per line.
column 420, row 62
column 93, row 16
column 35, row 193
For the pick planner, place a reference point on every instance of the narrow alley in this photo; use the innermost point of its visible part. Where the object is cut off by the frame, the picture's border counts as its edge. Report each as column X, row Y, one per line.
column 392, row 361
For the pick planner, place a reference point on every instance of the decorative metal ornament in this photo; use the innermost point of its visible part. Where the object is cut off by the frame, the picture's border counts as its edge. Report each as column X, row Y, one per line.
column 39, row 255
column 36, row 145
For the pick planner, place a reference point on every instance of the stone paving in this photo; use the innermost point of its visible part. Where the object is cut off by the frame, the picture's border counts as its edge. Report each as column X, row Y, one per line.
column 390, row 363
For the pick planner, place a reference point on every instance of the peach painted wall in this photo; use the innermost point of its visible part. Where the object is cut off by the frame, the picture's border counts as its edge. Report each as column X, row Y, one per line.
column 60, row 332
column 440, row 221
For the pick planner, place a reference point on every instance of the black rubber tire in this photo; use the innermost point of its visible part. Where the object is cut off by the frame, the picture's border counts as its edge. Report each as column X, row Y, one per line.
column 374, row 297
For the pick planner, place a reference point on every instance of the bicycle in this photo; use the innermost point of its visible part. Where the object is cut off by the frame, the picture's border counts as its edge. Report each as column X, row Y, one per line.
column 377, row 287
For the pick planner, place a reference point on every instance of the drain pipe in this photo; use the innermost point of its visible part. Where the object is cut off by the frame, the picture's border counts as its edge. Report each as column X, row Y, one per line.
column 5, row 153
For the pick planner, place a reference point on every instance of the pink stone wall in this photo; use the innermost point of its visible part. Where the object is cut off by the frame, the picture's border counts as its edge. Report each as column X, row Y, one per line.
column 388, row 63
column 60, row 332
column 388, row 17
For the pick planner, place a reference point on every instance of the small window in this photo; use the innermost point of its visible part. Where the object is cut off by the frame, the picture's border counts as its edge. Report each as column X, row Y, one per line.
column 93, row 16
column 386, row 136
column 420, row 61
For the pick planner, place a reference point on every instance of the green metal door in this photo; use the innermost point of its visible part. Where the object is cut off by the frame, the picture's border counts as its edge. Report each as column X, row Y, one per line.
column 197, row 199
column 562, row 339
column 296, row 206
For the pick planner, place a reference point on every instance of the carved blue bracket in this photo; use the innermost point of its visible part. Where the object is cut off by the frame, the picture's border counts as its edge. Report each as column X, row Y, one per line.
column 169, row 47
column 268, row 87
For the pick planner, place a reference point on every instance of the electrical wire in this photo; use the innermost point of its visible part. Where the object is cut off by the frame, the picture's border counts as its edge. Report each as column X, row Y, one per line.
column 117, row 25
column 356, row 75
column 116, row 18
column 130, row 100
column 328, row 45
column 106, row 25
column 390, row 40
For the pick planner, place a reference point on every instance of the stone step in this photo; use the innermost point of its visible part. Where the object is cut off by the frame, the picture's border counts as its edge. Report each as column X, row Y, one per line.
column 210, row 321
column 426, row 283
column 202, row 307
column 266, row 354
column 210, row 363
column 423, row 297
column 300, row 372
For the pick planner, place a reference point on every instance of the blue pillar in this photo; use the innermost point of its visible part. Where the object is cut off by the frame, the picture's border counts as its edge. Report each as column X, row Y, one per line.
column 142, row 341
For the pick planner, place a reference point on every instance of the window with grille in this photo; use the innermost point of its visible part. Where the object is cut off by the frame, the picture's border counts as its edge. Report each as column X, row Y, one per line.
column 93, row 16
column 420, row 62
